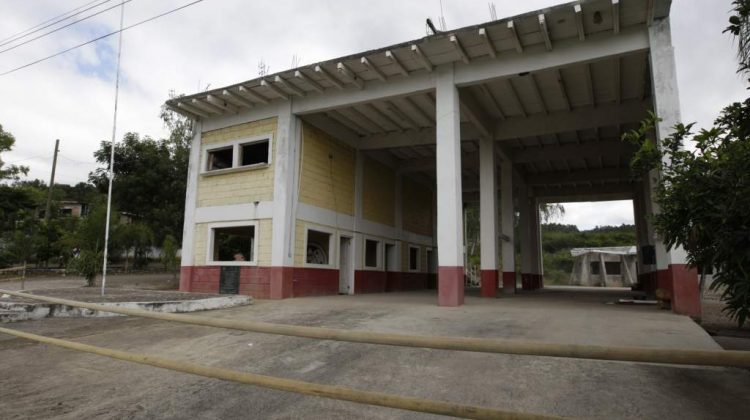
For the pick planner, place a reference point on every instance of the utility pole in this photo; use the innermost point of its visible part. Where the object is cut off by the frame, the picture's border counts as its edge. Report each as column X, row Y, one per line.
column 51, row 182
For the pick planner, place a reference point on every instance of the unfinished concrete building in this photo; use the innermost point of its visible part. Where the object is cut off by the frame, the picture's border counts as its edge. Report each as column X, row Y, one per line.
column 351, row 175
column 609, row 266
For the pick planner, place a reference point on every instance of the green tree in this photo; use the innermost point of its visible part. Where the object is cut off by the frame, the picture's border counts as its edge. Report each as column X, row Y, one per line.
column 12, row 172
column 739, row 26
column 169, row 255
column 88, row 237
column 21, row 242
column 703, row 197
column 703, row 194
column 149, row 182
column 136, row 237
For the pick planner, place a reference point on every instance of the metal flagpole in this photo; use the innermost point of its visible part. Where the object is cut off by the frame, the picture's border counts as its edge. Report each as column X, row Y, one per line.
column 111, row 173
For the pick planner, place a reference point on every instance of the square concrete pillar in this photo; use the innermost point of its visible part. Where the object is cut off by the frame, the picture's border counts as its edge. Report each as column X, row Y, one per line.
column 537, row 268
column 449, row 194
column 488, row 217
column 187, row 264
column 673, row 273
column 286, row 161
column 508, row 228
column 525, row 231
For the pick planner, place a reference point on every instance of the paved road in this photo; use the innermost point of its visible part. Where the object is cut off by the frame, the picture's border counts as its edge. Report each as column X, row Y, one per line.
column 44, row 382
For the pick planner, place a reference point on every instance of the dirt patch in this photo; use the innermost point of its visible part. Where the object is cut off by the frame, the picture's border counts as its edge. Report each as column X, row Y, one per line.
column 144, row 281
column 723, row 329
column 90, row 294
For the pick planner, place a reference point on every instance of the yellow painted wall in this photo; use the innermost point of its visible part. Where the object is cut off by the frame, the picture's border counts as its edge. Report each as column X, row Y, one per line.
column 325, row 181
column 238, row 187
column 299, row 241
column 378, row 193
column 265, row 233
column 405, row 257
column 417, row 208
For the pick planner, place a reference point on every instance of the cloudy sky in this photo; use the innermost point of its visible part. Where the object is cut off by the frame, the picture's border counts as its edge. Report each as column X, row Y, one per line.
column 219, row 42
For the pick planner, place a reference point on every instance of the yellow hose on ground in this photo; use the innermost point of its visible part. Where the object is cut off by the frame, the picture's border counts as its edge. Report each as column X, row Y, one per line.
column 726, row 358
column 290, row 385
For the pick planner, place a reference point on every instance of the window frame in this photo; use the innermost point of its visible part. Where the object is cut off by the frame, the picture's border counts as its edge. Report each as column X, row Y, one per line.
column 236, row 146
column 332, row 254
column 419, row 259
column 379, row 254
column 210, row 243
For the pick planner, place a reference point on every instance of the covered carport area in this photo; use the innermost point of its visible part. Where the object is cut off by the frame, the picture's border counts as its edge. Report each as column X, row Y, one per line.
column 508, row 114
column 540, row 121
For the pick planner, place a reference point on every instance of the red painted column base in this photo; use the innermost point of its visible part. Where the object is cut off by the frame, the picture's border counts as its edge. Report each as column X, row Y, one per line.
column 681, row 281
column 450, row 286
column 489, row 283
column 509, row 282
column 530, row 281
column 281, row 282
column 186, row 278
column 527, row 280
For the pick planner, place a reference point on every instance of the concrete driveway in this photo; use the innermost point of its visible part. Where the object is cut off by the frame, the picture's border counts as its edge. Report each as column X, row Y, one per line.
column 39, row 381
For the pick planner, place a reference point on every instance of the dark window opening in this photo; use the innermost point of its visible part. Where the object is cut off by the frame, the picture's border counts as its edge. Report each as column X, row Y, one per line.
column 220, row 159
column 595, row 268
column 371, row 253
column 613, row 268
column 255, row 153
column 318, row 247
column 234, row 243
column 413, row 258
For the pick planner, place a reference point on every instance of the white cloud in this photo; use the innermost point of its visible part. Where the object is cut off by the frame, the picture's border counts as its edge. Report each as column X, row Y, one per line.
column 589, row 215
column 221, row 41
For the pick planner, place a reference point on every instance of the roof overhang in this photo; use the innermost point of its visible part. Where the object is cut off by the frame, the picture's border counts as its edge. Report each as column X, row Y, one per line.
column 473, row 46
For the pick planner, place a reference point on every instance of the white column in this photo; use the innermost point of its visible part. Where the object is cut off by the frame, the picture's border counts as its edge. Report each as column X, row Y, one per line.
column 191, row 202
column 537, row 255
column 488, row 217
column 191, row 196
column 288, row 139
column 508, row 219
column 449, row 198
column 359, row 239
column 672, row 271
column 666, row 99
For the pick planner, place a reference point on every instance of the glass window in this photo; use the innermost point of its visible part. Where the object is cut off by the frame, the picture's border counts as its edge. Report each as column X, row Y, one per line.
column 220, row 158
column 318, row 247
column 371, row 253
column 234, row 244
column 254, row 153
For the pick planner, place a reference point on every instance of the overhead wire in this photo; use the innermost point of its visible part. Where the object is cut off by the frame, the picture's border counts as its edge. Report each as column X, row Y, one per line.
column 80, row 162
column 24, row 160
column 36, row 28
column 99, row 38
column 63, row 27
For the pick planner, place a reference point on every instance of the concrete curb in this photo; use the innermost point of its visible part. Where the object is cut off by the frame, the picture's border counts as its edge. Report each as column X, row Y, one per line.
column 21, row 311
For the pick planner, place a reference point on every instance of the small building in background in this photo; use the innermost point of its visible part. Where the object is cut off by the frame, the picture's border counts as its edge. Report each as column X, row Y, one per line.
column 613, row 266
column 72, row 209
